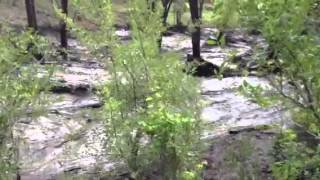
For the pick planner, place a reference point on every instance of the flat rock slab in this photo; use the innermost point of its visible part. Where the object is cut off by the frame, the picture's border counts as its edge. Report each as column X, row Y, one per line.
column 235, row 56
column 82, row 71
column 78, row 77
column 227, row 108
column 231, row 83
column 53, row 144
column 241, row 155
column 74, row 102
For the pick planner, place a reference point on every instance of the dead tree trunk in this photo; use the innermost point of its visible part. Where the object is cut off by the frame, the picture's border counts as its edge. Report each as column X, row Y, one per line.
column 63, row 29
column 179, row 11
column 31, row 14
column 32, row 23
column 179, row 7
column 166, row 6
column 194, row 10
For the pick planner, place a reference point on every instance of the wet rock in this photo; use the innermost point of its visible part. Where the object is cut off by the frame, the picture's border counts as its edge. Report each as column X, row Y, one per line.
column 261, row 130
column 235, row 56
column 201, row 68
column 227, row 110
column 123, row 34
column 175, row 29
column 234, row 37
column 53, row 144
column 178, row 42
column 237, row 130
column 81, row 77
column 206, row 69
column 231, row 83
column 240, row 155
column 69, row 141
column 69, row 101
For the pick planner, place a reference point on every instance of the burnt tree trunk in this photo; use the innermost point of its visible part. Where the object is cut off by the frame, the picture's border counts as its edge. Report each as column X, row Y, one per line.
column 63, row 29
column 31, row 14
column 166, row 6
column 32, row 24
column 194, row 10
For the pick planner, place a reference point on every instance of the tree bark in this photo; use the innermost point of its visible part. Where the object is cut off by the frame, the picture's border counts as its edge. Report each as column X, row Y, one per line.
column 166, row 5
column 178, row 18
column 31, row 14
column 63, row 30
column 179, row 7
column 194, row 10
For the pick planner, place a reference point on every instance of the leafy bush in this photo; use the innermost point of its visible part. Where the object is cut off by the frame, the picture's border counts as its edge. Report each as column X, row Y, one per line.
column 20, row 88
column 152, row 112
column 294, row 160
column 151, row 107
column 289, row 26
column 293, row 52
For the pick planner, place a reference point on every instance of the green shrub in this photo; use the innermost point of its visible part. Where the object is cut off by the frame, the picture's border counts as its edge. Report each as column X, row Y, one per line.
column 152, row 111
column 294, row 160
column 289, row 27
column 151, row 107
column 21, row 87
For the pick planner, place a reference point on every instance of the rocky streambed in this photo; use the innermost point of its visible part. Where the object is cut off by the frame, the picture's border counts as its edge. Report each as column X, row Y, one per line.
column 70, row 139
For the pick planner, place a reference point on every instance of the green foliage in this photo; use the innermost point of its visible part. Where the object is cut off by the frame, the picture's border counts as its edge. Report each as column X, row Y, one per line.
column 20, row 86
column 257, row 94
column 294, row 51
column 294, row 160
column 151, row 107
column 100, row 15
column 225, row 14
column 240, row 159
column 289, row 28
